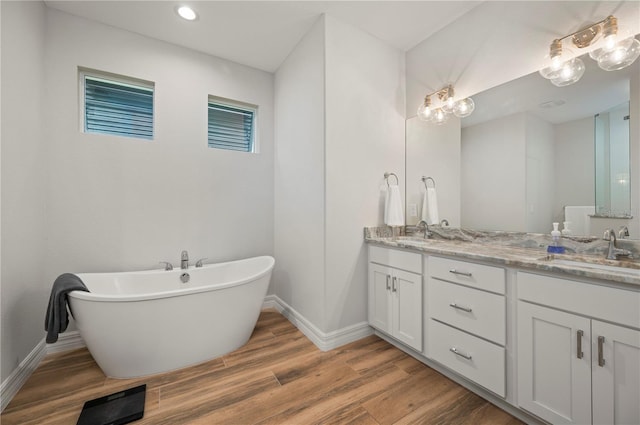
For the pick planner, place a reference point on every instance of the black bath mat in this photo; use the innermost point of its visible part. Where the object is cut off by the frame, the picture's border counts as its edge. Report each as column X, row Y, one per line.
column 114, row 409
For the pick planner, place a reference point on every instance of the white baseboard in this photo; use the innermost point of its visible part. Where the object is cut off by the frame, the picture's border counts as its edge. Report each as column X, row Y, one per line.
column 323, row 340
column 15, row 381
column 66, row 341
column 19, row 376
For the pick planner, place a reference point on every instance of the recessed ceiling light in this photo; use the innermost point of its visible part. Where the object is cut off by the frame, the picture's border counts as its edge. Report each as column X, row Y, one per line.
column 187, row 13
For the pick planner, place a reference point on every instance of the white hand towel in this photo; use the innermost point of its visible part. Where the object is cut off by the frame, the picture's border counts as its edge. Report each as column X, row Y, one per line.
column 424, row 214
column 393, row 215
column 432, row 201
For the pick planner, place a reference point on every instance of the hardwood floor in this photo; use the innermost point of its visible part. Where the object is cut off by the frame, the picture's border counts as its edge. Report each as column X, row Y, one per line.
column 278, row 377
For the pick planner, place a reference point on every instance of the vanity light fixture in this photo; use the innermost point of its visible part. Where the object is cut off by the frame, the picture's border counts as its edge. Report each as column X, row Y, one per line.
column 187, row 13
column 615, row 50
column 448, row 105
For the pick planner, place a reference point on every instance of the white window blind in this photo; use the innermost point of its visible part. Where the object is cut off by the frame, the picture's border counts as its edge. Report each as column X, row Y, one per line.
column 231, row 127
column 117, row 108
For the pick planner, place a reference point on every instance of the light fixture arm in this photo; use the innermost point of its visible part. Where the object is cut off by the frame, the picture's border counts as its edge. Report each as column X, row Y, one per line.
column 443, row 94
column 617, row 51
column 462, row 108
column 585, row 36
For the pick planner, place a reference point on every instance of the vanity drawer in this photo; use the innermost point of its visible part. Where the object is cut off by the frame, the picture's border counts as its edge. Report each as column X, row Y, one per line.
column 597, row 301
column 479, row 276
column 477, row 360
column 450, row 303
column 409, row 261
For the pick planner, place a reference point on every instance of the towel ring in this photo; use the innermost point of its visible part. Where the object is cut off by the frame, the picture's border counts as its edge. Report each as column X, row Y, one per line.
column 387, row 175
column 424, row 180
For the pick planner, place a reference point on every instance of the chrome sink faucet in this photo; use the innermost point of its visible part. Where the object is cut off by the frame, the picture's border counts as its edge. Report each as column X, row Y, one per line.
column 623, row 232
column 613, row 252
column 184, row 260
column 425, row 226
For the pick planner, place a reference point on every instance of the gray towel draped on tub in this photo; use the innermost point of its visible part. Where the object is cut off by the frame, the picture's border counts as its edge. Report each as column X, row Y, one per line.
column 57, row 318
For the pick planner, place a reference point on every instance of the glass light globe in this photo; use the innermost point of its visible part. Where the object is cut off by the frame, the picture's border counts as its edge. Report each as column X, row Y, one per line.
column 439, row 116
column 570, row 73
column 553, row 64
column 425, row 113
column 448, row 105
column 623, row 54
column 464, row 107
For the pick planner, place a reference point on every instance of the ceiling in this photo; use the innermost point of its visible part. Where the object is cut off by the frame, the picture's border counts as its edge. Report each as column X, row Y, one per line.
column 261, row 34
column 502, row 41
column 473, row 45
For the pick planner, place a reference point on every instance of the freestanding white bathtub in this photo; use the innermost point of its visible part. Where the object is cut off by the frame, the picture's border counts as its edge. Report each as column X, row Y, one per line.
column 142, row 323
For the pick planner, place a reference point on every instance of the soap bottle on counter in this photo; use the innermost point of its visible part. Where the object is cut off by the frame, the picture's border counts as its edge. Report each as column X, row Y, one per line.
column 556, row 245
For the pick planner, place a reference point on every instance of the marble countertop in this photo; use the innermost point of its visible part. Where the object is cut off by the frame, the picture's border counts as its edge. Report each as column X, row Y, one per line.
column 518, row 250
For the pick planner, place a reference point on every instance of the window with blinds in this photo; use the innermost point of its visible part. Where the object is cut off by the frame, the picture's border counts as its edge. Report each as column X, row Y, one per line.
column 117, row 107
column 231, row 126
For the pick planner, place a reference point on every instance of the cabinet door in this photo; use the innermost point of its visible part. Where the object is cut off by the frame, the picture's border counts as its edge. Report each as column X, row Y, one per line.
column 616, row 374
column 406, row 289
column 379, row 297
column 554, row 364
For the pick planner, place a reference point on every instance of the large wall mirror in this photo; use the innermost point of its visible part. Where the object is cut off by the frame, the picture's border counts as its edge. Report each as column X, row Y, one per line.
column 528, row 156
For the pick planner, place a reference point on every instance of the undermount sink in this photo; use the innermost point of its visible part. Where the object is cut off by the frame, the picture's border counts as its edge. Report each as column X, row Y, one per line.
column 626, row 267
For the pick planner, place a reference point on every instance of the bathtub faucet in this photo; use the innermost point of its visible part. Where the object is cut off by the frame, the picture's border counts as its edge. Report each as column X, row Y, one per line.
column 184, row 260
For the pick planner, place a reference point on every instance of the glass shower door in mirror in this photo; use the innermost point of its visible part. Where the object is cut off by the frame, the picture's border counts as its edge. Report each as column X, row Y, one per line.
column 613, row 189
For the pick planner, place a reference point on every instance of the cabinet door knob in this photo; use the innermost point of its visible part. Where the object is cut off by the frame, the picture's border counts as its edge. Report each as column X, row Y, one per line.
column 455, row 351
column 579, row 336
column 601, row 361
column 388, row 286
column 394, row 287
column 459, row 307
column 454, row 271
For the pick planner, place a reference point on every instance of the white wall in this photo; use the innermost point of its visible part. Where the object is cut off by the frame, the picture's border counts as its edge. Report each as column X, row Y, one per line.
column 574, row 165
column 365, row 85
column 123, row 204
column 299, row 273
column 75, row 202
column 24, row 293
column 434, row 151
column 540, row 174
column 493, row 175
column 339, row 127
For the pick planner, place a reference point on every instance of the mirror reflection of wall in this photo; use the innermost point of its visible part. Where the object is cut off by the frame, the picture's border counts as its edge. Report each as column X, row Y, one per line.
column 433, row 151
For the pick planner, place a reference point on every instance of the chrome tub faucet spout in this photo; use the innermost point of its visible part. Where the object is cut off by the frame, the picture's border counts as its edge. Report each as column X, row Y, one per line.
column 184, row 260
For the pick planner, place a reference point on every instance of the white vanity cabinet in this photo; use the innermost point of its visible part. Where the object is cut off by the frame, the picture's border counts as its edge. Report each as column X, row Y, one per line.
column 395, row 294
column 467, row 320
column 578, row 351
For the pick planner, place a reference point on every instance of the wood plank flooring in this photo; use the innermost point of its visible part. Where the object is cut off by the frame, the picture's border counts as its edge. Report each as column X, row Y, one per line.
column 278, row 377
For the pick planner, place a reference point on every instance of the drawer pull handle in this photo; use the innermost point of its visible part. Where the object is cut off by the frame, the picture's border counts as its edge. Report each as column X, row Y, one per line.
column 454, row 271
column 455, row 351
column 579, row 352
column 459, row 307
column 388, row 286
column 600, row 351
column 394, row 285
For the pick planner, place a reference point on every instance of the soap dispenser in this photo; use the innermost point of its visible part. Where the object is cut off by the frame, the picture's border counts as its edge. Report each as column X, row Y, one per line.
column 556, row 246
column 565, row 228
